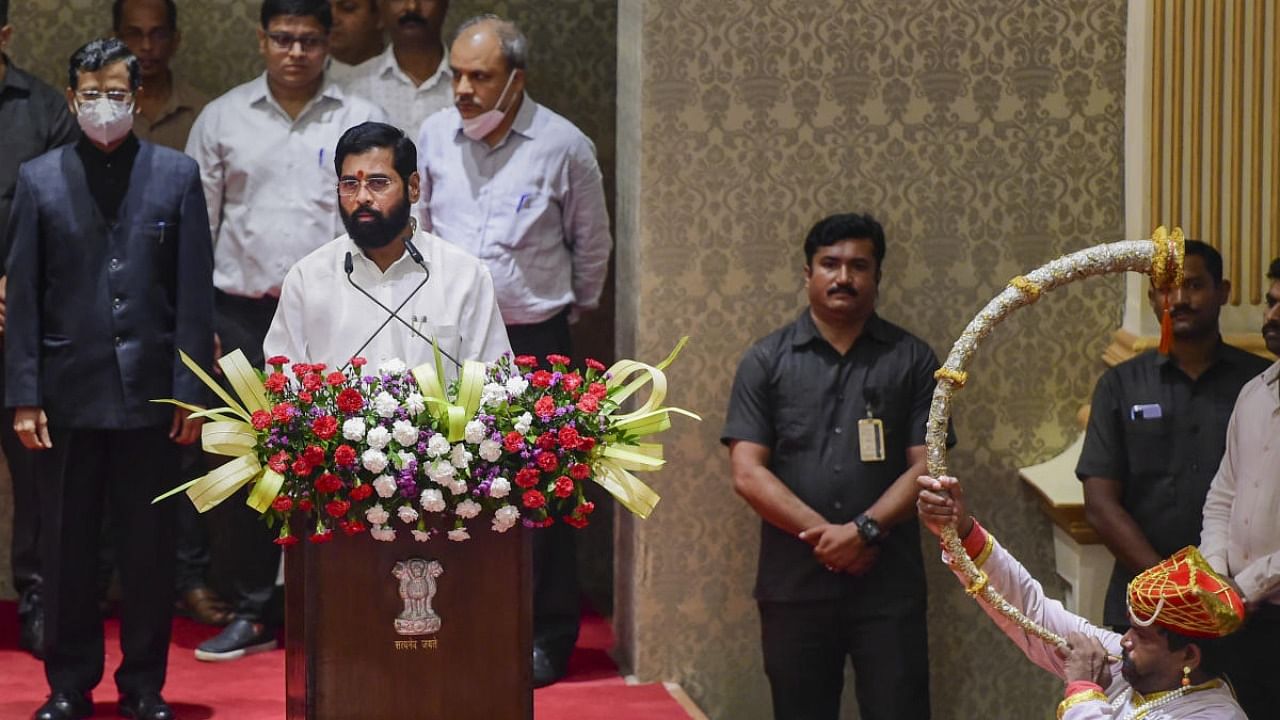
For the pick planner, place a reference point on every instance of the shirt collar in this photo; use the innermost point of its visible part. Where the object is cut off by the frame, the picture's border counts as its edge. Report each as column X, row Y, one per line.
column 1219, row 357
column 89, row 151
column 14, row 78
column 181, row 97
column 388, row 67
column 523, row 124
column 1271, row 374
column 404, row 264
column 260, row 92
column 806, row 330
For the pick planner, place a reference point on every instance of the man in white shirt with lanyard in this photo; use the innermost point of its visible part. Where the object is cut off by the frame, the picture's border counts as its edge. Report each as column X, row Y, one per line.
column 518, row 186
column 265, row 154
column 411, row 78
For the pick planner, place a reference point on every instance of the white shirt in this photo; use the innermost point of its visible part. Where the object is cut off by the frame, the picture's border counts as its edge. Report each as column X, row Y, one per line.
column 532, row 208
column 322, row 318
column 380, row 80
column 339, row 72
column 1241, row 533
column 269, row 180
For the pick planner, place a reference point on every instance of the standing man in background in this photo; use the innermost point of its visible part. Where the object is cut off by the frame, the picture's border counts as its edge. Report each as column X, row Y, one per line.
column 356, row 37
column 1157, row 429
column 167, row 106
column 109, row 269
column 411, row 79
column 1241, row 534
column 826, row 429
column 518, row 186
column 34, row 120
column 265, row 151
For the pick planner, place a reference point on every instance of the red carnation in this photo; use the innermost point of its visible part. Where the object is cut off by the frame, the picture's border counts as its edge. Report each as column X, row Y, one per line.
column 335, row 378
column 569, row 438
column 545, row 407
column 513, row 442
column 353, row 527
column 586, row 508
column 358, row 362
column 304, row 397
column 575, row 521
column 286, row 540
column 318, row 367
column 558, row 360
column 361, row 492
column 344, row 456
column 586, row 444
column 541, row 379
column 301, row 467
column 546, row 441
column 300, row 369
column 282, row 503
column 312, row 382
column 261, row 419
column 527, row 478
column 321, row 537
column 277, row 360
column 571, row 382
column 534, row 499
column 598, row 390
column 350, row 401
column 526, row 361
column 564, row 487
column 324, row 426
column 279, row 462
column 594, row 364
column 547, row 461
column 579, row 471
column 282, row 411
column 337, row 508
column 328, row 483
column 314, row 454
column 305, row 505
column 589, row 404
column 276, row 382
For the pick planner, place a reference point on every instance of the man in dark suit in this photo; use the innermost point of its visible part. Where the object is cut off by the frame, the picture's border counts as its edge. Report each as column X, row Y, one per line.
column 110, row 275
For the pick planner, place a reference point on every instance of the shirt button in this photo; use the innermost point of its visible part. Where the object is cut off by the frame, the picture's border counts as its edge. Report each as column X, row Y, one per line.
column 119, row 341
column 837, row 505
column 116, row 303
column 1195, row 466
column 114, row 264
column 838, row 468
column 839, row 430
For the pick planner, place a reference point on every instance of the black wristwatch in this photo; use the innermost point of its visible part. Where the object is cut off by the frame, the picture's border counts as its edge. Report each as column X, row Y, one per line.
column 869, row 529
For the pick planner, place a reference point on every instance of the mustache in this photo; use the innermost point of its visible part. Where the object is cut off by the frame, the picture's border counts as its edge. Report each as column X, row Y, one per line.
column 411, row 17
column 1272, row 326
column 843, row 290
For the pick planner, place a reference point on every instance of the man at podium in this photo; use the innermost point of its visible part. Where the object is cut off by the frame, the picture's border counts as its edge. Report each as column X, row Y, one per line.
column 387, row 289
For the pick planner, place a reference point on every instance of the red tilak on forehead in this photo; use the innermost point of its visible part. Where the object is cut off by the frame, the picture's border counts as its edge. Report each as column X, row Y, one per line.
column 359, row 174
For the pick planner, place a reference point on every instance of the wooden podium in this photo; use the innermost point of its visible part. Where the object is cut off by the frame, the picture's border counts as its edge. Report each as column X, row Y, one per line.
column 345, row 659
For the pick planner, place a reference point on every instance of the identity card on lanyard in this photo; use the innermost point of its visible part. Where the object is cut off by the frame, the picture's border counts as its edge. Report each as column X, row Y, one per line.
column 871, row 431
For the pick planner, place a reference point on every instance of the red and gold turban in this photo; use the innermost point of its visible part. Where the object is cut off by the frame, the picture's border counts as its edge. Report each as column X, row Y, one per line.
column 1185, row 595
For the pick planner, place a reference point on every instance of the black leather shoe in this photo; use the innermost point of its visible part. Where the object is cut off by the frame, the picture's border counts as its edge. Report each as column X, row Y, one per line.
column 546, row 669
column 65, row 706
column 145, row 707
column 31, row 634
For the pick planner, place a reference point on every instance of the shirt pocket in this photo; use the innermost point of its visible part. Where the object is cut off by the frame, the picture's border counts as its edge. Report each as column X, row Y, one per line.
column 795, row 422
column 448, row 339
column 1148, row 446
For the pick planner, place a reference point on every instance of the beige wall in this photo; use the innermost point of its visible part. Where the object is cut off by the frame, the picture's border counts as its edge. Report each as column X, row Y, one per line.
column 987, row 136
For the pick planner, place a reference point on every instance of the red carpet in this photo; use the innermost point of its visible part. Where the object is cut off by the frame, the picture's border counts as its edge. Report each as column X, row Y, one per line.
column 253, row 688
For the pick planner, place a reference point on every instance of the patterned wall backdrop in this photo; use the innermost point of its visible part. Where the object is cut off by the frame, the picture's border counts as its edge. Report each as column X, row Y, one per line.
column 987, row 136
column 572, row 70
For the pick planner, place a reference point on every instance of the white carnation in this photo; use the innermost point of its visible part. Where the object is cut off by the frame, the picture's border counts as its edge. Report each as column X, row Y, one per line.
column 473, row 432
column 523, row 423
column 394, row 366
column 459, row 534
column 467, row 509
column 460, row 457
column 490, row 450
column 405, row 433
column 457, row 486
column 516, row 385
column 421, row 535
column 492, row 395
column 415, row 404
column 353, row 428
column 438, row 445
column 377, row 515
column 385, row 486
column 406, row 457
column 377, row 437
column 382, row 533
column 440, row 471
column 407, row 514
column 504, row 518
column 385, row 404
column 499, row 487
column 374, row 460
column 432, row 500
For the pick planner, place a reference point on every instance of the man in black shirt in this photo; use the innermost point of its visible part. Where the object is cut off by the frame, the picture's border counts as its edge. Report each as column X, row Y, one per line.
column 1157, row 431
column 825, row 430
column 33, row 119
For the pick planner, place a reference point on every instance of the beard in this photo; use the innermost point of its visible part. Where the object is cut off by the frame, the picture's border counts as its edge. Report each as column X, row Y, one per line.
column 381, row 229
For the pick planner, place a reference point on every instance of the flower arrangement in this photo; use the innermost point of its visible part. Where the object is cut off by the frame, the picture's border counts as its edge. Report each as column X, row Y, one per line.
column 391, row 450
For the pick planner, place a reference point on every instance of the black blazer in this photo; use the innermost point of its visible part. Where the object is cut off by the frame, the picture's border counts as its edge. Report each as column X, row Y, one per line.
column 97, row 311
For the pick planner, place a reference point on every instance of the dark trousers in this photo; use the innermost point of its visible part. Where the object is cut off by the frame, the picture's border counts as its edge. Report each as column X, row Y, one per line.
column 24, row 552
column 239, row 535
column 1250, row 652
column 805, row 645
column 555, row 559
column 192, row 536
column 85, row 473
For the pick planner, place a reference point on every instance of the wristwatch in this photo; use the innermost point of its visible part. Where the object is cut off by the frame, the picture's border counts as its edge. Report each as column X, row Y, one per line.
column 869, row 529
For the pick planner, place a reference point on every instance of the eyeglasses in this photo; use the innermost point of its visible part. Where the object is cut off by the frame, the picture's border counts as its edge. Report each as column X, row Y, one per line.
column 378, row 185
column 285, row 41
column 112, row 95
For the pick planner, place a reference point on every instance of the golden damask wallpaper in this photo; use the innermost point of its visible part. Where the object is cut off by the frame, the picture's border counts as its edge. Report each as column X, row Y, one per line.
column 987, row 136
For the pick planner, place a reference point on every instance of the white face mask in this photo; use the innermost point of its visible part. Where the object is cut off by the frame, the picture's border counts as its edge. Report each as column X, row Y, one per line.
column 479, row 127
column 104, row 120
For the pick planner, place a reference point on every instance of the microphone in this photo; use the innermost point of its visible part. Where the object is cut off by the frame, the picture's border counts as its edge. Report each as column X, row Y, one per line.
column 348, row 266
column 416, row 255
